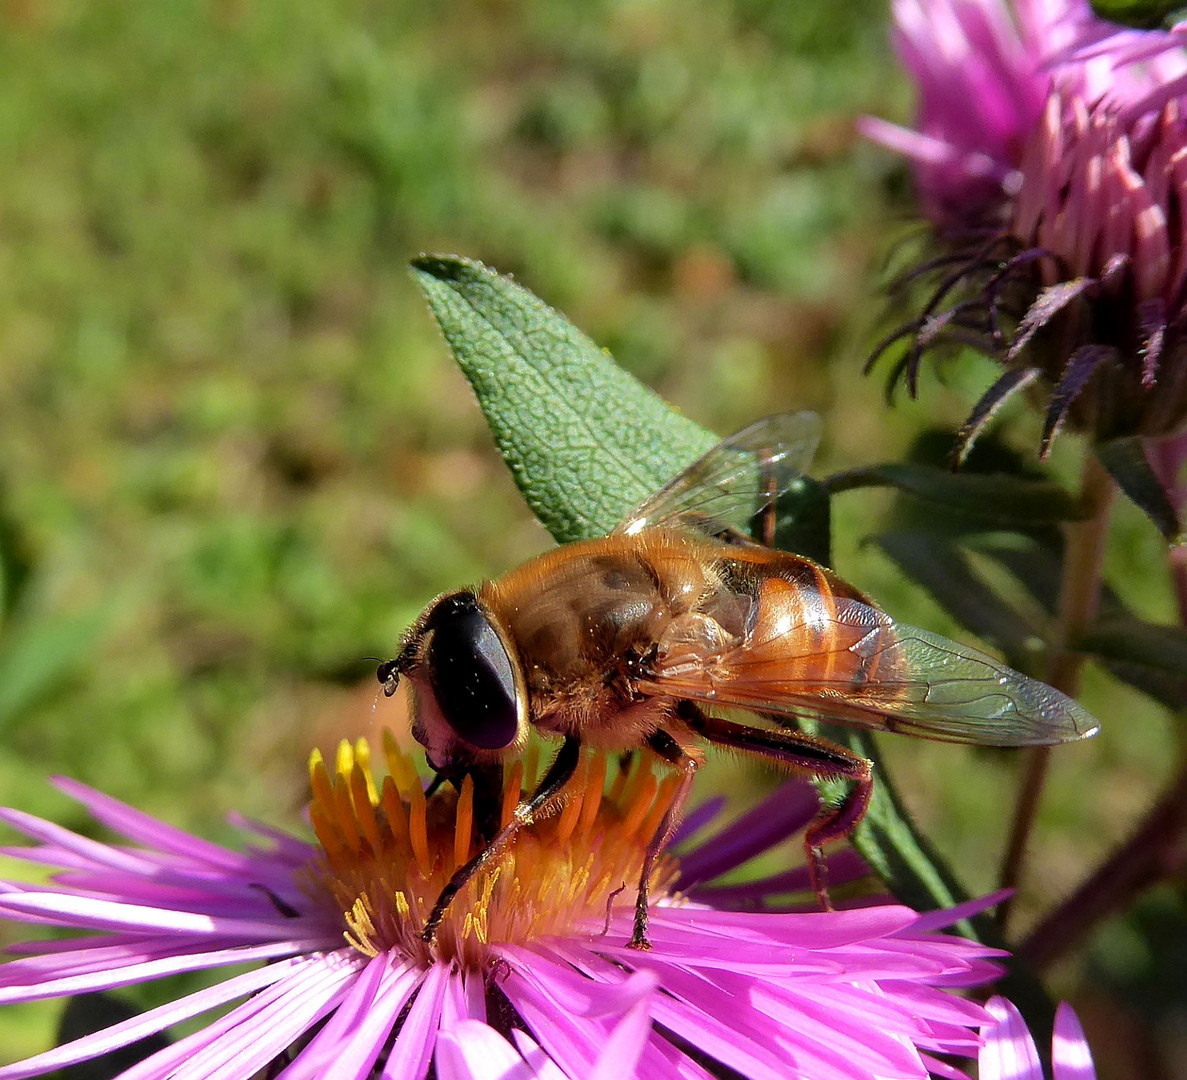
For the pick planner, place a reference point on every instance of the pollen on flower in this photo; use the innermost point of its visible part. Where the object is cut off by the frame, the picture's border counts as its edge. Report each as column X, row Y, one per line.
column 388, row 851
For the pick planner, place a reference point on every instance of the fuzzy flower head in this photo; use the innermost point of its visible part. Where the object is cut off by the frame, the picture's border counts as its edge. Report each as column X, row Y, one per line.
column 1060, row 211
column 531, row 975
column 981, row 84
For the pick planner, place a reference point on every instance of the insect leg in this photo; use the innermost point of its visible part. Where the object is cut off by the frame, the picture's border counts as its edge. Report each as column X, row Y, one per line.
column 675, row 755
column 767, row 518
column 560, row 772
column 803, row 754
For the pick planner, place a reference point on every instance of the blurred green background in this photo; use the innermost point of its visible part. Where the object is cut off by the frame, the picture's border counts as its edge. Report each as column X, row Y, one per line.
column 235, row 459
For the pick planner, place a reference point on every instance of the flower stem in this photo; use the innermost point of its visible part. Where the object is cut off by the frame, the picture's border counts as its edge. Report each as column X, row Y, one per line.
column 1166, row 458
column 1177, row 561
column 1084, row 550
column 1156, row 851
column 1157, row 848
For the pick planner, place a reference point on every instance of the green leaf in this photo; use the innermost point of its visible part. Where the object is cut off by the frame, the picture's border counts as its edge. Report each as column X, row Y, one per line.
column 585, row 441
column 1151, row 657
column 946, row 573
column 1143, row 14
column 1127, row 463
column 15, row 563
column 803, row 521
column 999, row 498
column 1035, row 561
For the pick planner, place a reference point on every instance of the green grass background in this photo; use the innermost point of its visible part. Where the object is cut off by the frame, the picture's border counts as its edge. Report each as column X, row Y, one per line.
column 235, row 459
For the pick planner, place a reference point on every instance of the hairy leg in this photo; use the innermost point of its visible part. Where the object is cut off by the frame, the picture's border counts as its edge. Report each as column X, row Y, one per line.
column 811, row 756
column 550, row 788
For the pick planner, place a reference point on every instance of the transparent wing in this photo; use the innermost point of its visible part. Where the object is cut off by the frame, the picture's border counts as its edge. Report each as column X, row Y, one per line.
column 849, row 662
column 740, row 476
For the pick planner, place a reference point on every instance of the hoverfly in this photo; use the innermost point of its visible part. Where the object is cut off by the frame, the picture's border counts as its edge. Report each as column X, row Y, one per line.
column 628, row 641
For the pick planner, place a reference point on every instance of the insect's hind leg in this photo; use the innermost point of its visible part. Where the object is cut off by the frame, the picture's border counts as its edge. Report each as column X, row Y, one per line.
column 835, row 823
column 807, row 755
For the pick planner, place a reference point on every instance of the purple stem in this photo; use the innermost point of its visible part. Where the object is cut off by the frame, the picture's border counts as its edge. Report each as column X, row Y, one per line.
column 1156, row 851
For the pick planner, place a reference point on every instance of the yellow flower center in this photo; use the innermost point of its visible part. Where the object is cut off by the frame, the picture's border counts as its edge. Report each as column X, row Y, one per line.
column 388, row 852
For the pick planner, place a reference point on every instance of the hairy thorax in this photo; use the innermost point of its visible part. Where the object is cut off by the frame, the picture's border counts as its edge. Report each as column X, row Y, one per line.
column 589, row 617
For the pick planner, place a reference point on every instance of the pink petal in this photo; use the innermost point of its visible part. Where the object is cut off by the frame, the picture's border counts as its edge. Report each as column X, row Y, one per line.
column 773, row 820
column 81, row 912
column 413, row 1049
column 938, row 920
column 98, row 970
column 572, row 1041
column 474, row 1051
column 620, row 1056
column 145, row 829
column 153, row 1021
column 1070, row 1056
column 261, row 1033
column 1009, row 1052
column 62, row 843
column 350, row 1043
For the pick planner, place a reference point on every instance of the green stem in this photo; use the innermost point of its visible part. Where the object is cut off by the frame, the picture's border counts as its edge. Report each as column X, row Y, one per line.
column 1084, row 552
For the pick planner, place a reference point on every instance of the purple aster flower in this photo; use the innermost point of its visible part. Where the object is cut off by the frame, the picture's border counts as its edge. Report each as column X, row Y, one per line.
column 530, row 974
column 1050, row 156
column 1009, row 1051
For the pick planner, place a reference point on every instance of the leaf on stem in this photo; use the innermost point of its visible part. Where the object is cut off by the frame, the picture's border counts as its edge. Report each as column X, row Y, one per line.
column 1126, row 461
column 946, row 573
column 585, row 440
column 999, row 499
column 1150, row 657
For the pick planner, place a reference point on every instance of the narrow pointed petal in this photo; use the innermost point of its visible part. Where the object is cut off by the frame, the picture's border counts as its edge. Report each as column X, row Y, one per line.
column 352, row 1040
column 473, row 1051
column 413, row 1049
column 1046, row 306
column 1080, row 369
column 1070, row 1055
column 153, row 1021
column 990, row 404
column 145, row 829
column 620, row 1056
column 63, row 909
column 1009, row 1052
column 109, row 970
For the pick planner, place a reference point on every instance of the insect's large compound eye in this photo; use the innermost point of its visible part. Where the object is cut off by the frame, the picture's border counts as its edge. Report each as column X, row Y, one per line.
column 471, row 674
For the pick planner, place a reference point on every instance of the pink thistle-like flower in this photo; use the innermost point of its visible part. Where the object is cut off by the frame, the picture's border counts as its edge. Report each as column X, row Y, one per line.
column 979, row 72
column 1055, row 172
column 1009, row 1051
column 530, row 975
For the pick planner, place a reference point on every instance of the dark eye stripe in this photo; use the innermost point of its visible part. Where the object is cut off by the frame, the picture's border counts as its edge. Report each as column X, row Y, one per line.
column 471, row 675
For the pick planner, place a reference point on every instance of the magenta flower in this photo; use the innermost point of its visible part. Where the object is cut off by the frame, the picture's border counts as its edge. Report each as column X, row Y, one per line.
column 1009, row 1051
column 1052, row 167
column 979, row 68
column 530, row 975
column 984, row 71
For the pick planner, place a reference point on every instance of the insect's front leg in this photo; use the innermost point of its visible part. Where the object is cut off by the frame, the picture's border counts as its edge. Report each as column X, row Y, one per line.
column 560, row 772
column 808, row 755
column 663, row 744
